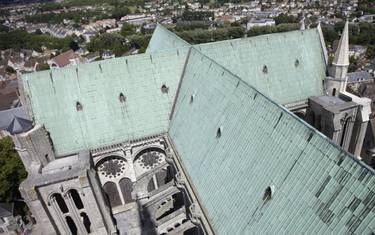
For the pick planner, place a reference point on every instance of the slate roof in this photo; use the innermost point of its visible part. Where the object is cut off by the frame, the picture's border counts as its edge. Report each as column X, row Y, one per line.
column 6, row 209
column 359, row 76
column 97, row 86
column 317, row 187
column 6, row 116
column 19, row 125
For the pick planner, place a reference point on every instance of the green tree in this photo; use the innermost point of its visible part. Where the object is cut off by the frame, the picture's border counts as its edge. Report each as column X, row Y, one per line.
column 108, row 41
column 127, row 29
column 43, row 67
column 20, row 39
column 353, row 66
column 140, row 41
column 9, row 69
column 285, row 19
column 330, row 34
column 370, row 52
column 255, row 31
column 236, row 32
column 12, row 171
column 120, row 12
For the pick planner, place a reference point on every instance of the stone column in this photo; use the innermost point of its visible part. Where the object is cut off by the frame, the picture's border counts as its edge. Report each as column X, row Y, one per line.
column 120, row 191
column 129, row 159
column 155, row 181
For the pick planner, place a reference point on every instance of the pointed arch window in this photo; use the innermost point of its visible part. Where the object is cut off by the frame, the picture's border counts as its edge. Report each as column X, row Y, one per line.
column 112, row 193
column 79, row 106
column 126, row 189
column 296, row 63
column 164, row 89
column 72, row 226
column 122, row 98
column 56, row 197
column 265, row 69
column 76, row 198
column 219, row 132
column 86, row 222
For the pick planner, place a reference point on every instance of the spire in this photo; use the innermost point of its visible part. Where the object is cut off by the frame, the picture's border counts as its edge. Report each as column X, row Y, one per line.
column 342, row 51
column 322, row 42
column 302, row 22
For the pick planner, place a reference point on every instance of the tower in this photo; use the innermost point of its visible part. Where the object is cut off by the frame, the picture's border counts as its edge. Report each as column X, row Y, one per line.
column 63, row 194
column 336, row 82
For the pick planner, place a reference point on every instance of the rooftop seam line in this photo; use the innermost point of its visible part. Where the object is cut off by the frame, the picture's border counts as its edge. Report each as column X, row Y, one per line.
column 179, row 85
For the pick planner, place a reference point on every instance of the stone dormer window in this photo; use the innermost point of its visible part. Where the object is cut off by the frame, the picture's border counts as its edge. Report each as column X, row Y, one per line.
column 265, row 69
column 268, row 193
column 192, row 98
column 122, row 98
column 296, row 63
column 219, row 132
column 79, row 106
column 164, row 89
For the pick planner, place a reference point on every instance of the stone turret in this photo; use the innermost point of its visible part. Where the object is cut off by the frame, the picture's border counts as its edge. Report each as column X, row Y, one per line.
column 32, row 143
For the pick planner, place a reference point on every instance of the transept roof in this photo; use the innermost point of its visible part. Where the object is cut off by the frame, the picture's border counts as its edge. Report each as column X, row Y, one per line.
column 108, row 101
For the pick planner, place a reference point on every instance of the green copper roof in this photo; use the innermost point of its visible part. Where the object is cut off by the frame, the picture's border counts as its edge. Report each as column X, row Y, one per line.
column 317, row 187
column 163, row 39
column 97, row 86
column 294, row 61
column 287, row 67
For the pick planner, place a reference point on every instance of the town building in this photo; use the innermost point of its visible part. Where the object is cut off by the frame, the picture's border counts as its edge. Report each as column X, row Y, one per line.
column 259, row 23
column 11, row 224
column 64, row 59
